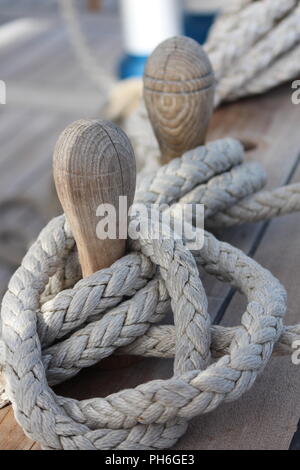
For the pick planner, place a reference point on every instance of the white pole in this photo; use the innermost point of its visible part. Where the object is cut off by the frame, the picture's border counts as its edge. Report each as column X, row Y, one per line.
column 146, row 23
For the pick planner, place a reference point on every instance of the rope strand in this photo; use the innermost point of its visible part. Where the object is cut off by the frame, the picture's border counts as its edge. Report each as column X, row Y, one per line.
column 50, row 337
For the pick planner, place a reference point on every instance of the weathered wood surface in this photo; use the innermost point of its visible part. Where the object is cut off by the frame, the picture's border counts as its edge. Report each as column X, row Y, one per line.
column 179, row 88
column 93, row 164
column 267, row 416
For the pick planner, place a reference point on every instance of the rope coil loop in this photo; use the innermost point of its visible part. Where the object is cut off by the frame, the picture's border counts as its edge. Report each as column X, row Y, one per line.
column 54, row 324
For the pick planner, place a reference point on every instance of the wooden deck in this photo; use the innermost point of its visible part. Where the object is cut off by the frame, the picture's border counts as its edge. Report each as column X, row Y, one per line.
column 38, row 64
column 267, row 416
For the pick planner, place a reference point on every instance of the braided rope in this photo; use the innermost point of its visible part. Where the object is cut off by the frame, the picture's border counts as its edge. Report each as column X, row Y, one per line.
column 284, row 68
column 52, row 330
column 24, row 354
column 249, row 26
column 54, row 323
column 281, row 39
column 254, row 47
column 159, row 341
column 261, row 206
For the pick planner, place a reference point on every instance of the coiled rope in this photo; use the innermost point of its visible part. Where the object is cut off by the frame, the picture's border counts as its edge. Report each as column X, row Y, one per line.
column 54, row 324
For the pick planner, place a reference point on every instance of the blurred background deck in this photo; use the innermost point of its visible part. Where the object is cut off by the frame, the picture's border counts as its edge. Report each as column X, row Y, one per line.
column 47, row 87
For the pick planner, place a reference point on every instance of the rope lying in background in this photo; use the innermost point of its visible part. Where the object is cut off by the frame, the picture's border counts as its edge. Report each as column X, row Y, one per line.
column 53, row 324
column 247, row 27
column 254, row 47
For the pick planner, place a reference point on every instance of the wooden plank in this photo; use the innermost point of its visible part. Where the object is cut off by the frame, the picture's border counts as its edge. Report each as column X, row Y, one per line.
column 48, row 65
column 49, row 56
column 37, row 111
column 295, row 443
column 11, row 435
column 25, row 58
column 35, row 7
column 30, row 132
column 26, row 181
column 29, row 153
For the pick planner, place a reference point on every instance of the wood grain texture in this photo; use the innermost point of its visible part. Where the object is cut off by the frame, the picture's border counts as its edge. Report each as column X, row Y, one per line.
column 94, row 164
column 179, row 92
column 11, row 435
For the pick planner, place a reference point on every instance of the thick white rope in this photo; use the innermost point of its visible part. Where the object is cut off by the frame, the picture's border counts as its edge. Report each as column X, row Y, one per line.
column 54, row 324
column 281, row 40
column 249, row 26
column 50, row 331
column 254, row 47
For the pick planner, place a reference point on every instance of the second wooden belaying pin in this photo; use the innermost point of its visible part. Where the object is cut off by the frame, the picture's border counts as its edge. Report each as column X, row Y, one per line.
column 179, row 89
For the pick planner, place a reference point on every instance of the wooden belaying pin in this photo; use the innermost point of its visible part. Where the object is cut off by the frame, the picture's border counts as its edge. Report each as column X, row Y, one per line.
column 93, row 165
column 179, row 86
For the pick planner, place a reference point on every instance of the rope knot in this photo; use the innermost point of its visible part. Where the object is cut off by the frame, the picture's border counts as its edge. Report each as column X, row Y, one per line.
column 54, row 323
